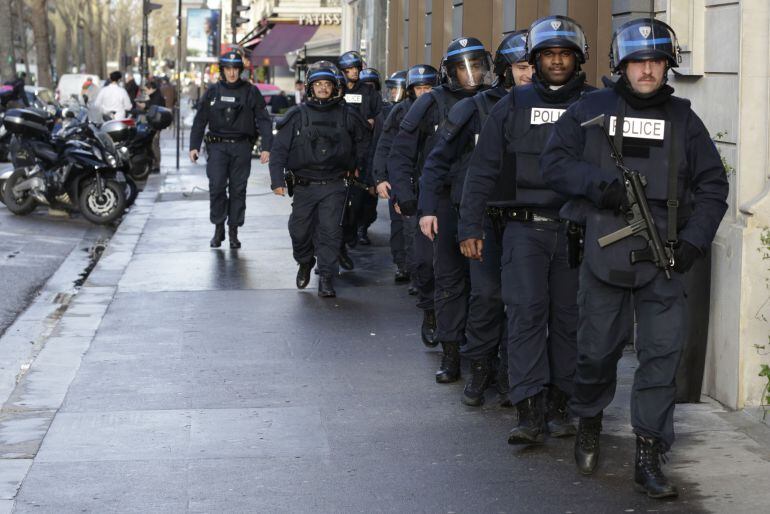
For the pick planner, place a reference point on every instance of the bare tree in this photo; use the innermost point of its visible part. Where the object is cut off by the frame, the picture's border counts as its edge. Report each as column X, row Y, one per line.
column 7, row 60
column 38, row 19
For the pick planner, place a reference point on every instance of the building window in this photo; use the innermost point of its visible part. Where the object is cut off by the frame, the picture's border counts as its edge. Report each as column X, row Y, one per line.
column 457, row 19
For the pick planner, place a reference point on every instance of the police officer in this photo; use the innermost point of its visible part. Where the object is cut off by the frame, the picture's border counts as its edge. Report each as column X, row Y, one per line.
column 686, row 188
column 318, row 143
column 367, row 201
column 539, row 288
column 235, row 113
column 445, row 168
column 395, row 87
column 466, row 68
column 368, row 103
column 419, row 80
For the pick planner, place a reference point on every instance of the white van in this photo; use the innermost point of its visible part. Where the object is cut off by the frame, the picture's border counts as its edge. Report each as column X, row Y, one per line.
column 71, row 84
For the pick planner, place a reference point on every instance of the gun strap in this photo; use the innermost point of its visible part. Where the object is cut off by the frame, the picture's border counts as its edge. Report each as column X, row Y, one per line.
column 673, row 175
column 620, row 120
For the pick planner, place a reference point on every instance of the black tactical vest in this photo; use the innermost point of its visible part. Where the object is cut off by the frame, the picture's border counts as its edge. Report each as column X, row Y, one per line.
column 443, row 100
column 231, row 111
column 653, row 143
column 322, row 141
column 527, row 129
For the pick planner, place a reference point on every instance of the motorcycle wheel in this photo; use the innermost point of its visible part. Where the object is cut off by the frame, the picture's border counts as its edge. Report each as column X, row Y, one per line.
column 131, row 191
column 105, row 208
column 20, row 205
column 140, row 168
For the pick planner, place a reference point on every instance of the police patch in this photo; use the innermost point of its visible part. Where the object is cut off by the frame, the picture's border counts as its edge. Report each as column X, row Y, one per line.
column 641, row 128
column 645, row 31
column 541, row 115
column 421, row 71
column 353, row 98
column 555, row 24
column 463, row 43
column 227, row 98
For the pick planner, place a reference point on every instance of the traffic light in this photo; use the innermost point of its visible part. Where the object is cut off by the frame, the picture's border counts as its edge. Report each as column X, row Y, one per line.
column 148, row 7
column 235, row 19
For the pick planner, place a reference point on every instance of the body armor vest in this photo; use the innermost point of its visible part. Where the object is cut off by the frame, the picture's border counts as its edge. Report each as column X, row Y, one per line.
column 443, row 100
column 653, row 143
column 322, row 141
column 231, row 111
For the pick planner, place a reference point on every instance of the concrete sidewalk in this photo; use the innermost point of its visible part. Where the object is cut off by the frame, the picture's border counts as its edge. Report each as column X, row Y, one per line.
column 189, row 379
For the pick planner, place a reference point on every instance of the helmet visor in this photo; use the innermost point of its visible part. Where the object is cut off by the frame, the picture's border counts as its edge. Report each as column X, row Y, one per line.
column 471, row 72
column 394, row 90
column 639, row 41
column 556, row 33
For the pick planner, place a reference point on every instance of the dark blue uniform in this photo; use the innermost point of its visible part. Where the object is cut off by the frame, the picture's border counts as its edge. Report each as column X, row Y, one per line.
column 538, row 287
column 235, row 114
column 401, row 237
column 320, row 144
column 478, row 318
column 416, row 137
column 663, row 140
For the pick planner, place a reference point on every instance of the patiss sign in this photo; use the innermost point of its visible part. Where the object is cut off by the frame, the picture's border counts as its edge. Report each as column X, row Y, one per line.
column 320, row 19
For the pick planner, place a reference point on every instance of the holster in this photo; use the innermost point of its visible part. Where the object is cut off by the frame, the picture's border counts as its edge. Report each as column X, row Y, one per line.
column 288, row 177
column 575, row 241
column 495, row 215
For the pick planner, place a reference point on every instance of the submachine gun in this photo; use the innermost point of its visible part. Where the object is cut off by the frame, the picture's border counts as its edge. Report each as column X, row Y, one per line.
column 638, row 216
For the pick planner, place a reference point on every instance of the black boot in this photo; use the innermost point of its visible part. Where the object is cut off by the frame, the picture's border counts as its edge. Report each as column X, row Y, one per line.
column 346, row 262
column 219, row 235
column 303, row 274
column 531, row 428
column 232, row 235
column 449, row 371
column 363, row 236
column 402, row 275
column 325, row 288
column 482, row 372
column 557, row 417
column 428, row 328
column 412, row 291
column 587, row 444
column 648, row 477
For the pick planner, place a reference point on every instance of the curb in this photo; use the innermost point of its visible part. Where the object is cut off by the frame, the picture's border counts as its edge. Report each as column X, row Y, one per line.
column 31, row 398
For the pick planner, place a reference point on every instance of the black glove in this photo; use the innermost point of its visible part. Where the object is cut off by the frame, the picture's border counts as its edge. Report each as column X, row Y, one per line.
column 685, row 256
column 408, row 208
column 613, row 196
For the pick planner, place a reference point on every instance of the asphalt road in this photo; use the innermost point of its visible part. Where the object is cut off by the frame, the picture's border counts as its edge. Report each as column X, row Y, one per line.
column 31, row 249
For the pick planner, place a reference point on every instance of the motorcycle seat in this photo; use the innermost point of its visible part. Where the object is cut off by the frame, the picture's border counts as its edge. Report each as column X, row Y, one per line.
column 44, row 151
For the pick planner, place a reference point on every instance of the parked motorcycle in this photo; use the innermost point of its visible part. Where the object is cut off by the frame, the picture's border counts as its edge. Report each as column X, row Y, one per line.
column 76, row 169
column 133, row 138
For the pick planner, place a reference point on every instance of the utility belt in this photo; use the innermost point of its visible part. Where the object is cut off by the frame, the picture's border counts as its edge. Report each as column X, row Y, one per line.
column 301, row 181
column 210, row 138
column 507, row 214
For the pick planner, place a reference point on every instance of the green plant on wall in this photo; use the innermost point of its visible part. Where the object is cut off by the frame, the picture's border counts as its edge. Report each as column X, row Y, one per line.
column 764, row 369
column 719, row 137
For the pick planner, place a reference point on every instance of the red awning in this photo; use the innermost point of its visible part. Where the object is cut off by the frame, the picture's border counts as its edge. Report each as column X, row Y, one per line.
column 281, row 39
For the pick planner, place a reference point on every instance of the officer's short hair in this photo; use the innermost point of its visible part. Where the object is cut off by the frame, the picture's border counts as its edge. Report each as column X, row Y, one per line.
column 115, row 76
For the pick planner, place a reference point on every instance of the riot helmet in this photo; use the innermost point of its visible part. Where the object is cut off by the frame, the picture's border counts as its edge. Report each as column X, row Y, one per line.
column 512, row 49
column 232, row 58
column 644, row 38
column 466, row 57
column 371, row 76
column 421, row 75
column 322, row 72
column 556, row 32
column 351, row 60
column 395, row 86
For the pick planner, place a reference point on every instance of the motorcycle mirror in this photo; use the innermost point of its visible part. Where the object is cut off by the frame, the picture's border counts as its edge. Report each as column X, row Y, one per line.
column 593, row 122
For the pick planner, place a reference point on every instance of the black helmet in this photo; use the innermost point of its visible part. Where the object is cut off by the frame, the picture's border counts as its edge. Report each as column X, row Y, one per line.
column 644, row 38
column 556, row 32
column 421, row 75
column 460, row 53
column 371, row 76
column 231, row 58
column 351, row 60
column 326, row 71
column 396, row 86
column 512, row 49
